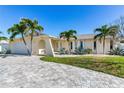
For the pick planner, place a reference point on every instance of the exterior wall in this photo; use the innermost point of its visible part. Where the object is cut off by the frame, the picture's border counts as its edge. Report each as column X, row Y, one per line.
column 107, row 46
column 51, row 45
column 121, row 45
column 44, row 44
column 100, row 46
column 64, row 44
column 19, row 47
column 4, row 46
column 74, row 43
column 55, row 45
column 89, row 43
column 38, row 44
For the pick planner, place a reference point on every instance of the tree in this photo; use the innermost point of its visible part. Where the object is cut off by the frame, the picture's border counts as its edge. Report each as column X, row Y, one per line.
column 18, row 29
column 68, row 35
column 113, row 31
column 33, row 28
column 121, row 26
column 101, row 34
column 2, row 37
column 120, row 23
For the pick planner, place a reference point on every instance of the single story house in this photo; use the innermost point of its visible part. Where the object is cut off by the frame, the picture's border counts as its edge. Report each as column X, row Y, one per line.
column 49, row 45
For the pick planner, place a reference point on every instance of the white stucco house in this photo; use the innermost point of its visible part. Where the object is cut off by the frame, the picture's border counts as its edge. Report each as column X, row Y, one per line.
column 4, row 45
column 49, row 45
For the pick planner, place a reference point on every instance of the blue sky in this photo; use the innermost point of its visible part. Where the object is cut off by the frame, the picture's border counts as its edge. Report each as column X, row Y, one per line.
column 56, row 19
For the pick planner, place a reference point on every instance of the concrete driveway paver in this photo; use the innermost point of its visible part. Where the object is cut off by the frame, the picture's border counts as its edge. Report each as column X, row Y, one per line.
column 31, row 72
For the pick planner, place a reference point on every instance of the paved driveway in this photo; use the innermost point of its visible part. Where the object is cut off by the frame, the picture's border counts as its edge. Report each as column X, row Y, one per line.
column 23, row 71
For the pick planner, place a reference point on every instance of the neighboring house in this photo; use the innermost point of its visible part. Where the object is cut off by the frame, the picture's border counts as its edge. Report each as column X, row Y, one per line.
column 4, row 46
column 49, row 45
column 120, row 43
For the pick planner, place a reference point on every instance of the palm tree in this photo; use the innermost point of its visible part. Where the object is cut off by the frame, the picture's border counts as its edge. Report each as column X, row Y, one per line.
column 114, row 31
column 105, row 31
column 33, row 28
column 2, row 37
column 101, row 34
column 18, row 29
column 68, row 35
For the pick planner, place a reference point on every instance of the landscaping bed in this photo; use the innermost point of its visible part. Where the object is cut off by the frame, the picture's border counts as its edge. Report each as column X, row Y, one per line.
column 113, row 65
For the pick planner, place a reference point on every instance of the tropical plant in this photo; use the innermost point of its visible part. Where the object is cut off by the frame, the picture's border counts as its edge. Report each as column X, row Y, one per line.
column 33, row 28
column 18, row 29
column 103, row 32
column 62, row 51
column 83, row 51
column 68, row 35
column 79, row 50
column 113, row 31
column 116, row 51
column 120, row 23
column 2, row 37
column 88, row 51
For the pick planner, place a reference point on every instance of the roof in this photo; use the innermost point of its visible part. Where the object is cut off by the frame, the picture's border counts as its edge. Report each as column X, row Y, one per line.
column 82, row 36
column 85, row 36
column 4, row 42
column 46, row 35
column 88, row 36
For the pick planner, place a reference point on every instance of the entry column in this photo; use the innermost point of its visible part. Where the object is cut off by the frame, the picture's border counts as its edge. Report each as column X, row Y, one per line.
column 49, row 47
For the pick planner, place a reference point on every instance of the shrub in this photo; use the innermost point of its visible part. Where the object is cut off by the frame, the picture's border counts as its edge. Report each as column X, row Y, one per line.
column 62, row 51
column 79, row 50
column 83, row 51
column 116, row 51
column 8, row 51
column 88, row 51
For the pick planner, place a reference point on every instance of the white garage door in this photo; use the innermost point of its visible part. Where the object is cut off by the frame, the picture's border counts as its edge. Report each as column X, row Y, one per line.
column 18, row 48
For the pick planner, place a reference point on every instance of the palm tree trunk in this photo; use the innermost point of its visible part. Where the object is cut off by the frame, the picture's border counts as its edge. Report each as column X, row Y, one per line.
column 31, row 43
column 25, row 44
column 104, row 45
column 32, row 40
column 68, row 47
column 114, row 42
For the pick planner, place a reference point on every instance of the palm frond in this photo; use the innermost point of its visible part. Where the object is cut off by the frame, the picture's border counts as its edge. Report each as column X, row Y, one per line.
column 97, row 30
column 62, row 34
column 68, row 34
column 39, row 28
column 75, row 37
column 32, row 27
column 98, row 37
column 35, row 21
column 1, row 32
column 72, row 31
column 113, row 31
column 3, row 38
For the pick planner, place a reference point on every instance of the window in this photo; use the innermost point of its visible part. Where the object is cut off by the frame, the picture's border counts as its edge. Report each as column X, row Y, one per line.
column 81, row 44
column 71, row 45
column 94, row 45
column 111, row 44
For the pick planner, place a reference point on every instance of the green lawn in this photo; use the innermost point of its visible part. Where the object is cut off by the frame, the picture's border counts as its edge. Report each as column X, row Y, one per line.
column 110, row 65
